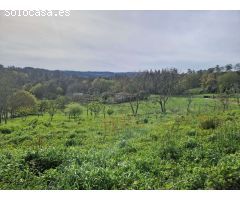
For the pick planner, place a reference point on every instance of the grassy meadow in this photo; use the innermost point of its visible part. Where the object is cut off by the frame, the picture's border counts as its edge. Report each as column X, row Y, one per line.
column 177, row 150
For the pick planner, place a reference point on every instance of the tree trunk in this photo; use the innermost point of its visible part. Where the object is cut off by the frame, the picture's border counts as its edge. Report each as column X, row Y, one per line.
column 134, row 110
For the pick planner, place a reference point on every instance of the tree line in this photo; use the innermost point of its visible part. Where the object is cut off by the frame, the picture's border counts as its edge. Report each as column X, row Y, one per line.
column 25, row 91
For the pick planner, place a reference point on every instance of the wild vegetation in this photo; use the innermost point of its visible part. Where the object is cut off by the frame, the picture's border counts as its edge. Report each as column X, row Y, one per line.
column 147, row 130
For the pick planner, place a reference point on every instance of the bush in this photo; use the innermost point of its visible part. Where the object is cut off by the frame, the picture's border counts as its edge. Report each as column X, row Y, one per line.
column 74, row 110
column 226, row 175
column 73, row 135
column 126, row 147
column 20, row 139
column 170, row 152
column 5, row 130
column 191, row 133
column 190, row 144
column 145, row 121
column 38, row 162
column 95, row 108
column 70, row 142
column 33, row 123
column 89, row 177
column 110, row 111
column 209, row 123
column 193, row 179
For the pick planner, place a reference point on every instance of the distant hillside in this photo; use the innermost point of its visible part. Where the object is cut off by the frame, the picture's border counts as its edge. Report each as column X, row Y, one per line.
column 95, row 74
column 58, row 73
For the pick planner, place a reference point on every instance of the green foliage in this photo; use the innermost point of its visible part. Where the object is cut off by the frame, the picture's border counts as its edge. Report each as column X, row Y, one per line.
column 5, row 130
column 209, row 123
column 42, row 106
column 52, row 109
column 61, row 102
column 145, row 121
column 191, row 133
column 22, row 103
column 39, row 161
column 118, row 153
column 74, row 110
column 95, row 108
column 228, row 81
column 226, row 175
column 70, row 142
column 110, row 111
column 191, row 143
column 170, row 151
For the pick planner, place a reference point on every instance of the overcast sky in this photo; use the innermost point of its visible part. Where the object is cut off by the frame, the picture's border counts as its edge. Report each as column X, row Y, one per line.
column 122, row 40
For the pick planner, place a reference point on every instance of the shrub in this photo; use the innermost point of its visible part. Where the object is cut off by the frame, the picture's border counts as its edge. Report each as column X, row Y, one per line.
column 74, row 110
column 193, row 179
column 70, row 142
column 126, row 147
column 122, row 144
column 170, row 152
column 47, row 124
column 209, row 123
column 212, row 138
column 38, row 162
column 191, row 133
column 190, row 144
column 5, row 130
column 144, row 165
column 154, row 137
column 226, row 175
column 145, row 121
column 73, row 135
column 89, row 177
column 110, row 111
column 33, row 123
column 19, row 139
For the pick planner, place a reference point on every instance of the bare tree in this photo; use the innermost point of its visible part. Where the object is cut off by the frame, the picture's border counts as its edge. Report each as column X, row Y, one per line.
column 164, row 86
column 134, row 104
column 162, row 101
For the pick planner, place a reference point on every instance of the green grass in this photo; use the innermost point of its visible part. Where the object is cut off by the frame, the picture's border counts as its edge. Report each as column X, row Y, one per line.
column 150, row 151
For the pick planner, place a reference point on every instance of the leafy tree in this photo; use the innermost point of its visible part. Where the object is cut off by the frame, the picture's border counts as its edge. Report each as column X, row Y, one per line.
column 61, row 102
column 209, row 82
column 22, row 103
column 74, row 110
column 100, row 85
column 94, row 108
column 228, row 67
column 52, row 109
column 237, row 67
column 42, row 106
column 38, row 90
column 10, row 81
column 229, row 81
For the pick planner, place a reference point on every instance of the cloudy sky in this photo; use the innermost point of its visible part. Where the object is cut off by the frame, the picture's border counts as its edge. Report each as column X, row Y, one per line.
column 122, row 40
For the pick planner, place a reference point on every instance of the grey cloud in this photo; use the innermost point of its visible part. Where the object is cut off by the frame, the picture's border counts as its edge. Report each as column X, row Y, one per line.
column 122, row 40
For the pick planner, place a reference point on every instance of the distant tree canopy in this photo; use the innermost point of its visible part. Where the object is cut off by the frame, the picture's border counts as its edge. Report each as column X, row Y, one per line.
column 228, row 81
column 20, row 86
